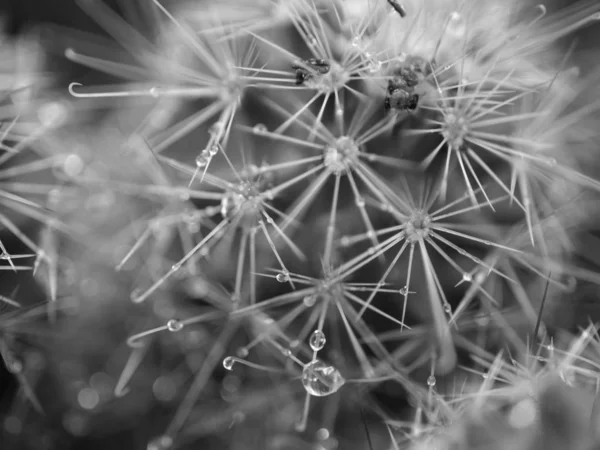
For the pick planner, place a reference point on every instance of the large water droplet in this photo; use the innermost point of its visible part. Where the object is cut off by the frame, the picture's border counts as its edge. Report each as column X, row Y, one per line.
column 320, row 379
column 431, row 381
column 356, row 41
column 317, row 340
column 174, row 325
column 403, row 291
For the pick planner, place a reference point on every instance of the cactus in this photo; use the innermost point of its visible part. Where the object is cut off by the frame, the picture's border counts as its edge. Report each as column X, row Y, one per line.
column 254, row 223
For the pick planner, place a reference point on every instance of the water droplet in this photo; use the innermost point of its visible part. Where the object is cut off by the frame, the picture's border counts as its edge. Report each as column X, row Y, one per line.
column 242, row 352
column 175, row 267
column 312, row 42
column 320, row 379
column 135, row 294
column 345, row 241
column 309, row 300
column 259, row 128
column 174, row 325
column 360, row 202
column 283, row 277
column 230, row 205
column 228, row 362
column 266, row 320
column 287, row 352
column 213, row 150
column 403, row 291
column 447, row 308
column 154, row 92
column 467, row 277
column 202, row 160
column 339, row 112
column 356, row 41
column 431, row 381
column 163, row 442
column 317, row 340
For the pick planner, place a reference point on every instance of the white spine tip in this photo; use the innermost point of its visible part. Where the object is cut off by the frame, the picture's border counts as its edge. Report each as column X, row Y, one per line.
column 72, row 91
column 70, row 53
